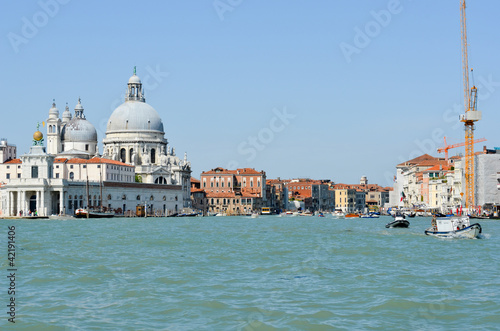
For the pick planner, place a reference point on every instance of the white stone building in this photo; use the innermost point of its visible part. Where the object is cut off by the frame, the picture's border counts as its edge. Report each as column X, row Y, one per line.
column 137, row 167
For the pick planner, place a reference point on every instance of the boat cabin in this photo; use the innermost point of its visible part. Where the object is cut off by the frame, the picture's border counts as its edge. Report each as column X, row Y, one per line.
column 446, row 224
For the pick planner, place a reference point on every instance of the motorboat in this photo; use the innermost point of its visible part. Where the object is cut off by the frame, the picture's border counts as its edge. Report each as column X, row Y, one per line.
column 338, row 213
column 454, row 227
column 399, row 222
column 351, row 215
column 369, row 216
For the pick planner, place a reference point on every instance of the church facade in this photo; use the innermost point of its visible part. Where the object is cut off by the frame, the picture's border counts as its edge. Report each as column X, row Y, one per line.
column 137, row 166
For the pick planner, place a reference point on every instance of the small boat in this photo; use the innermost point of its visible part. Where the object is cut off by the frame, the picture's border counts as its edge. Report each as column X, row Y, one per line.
column 254, row 215
column 351, row 215
column 369, row 216
column 453, row 227
column 84, row 213
column 338, row 213
column 399, row 222
column 81, row 213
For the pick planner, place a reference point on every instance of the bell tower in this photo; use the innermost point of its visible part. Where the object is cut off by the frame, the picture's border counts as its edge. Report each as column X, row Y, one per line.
column 53, row 131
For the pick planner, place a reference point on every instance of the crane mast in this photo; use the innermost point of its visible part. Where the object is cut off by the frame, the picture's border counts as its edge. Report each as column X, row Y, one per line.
column 471, row 115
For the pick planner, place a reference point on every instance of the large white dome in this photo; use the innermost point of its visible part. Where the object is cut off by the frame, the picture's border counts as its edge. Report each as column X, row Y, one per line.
column 134, row 116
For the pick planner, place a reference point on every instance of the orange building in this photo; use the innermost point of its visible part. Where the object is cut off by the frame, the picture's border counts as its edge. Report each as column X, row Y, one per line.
column 234, row 192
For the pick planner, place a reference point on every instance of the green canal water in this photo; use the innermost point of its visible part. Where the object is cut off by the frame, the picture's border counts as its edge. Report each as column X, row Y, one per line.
column 239, row 273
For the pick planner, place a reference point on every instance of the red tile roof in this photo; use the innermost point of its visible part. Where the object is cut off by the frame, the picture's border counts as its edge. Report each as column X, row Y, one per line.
column 13, row 161
column 417, row 160
column 97, row 160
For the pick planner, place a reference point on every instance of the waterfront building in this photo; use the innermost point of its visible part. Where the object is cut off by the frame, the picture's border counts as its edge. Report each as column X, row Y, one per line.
column 137, row 166
column 315, row 194
column 235, row 192
column 487, row 179
column 7, row 151
column 345, row 197
column 199, row 199
column 280, row 189
column 360, row 198
column 409, row 186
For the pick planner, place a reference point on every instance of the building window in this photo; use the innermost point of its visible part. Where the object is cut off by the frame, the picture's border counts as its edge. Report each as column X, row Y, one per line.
column 153, row 155
column 84, row 166
column 18, row 175
column 8, row 176
column 71, row 166
column 86, row 147
column 71, row 175
column 34, row 172
column 98, row 166
column 122, row 155
column 57, row 175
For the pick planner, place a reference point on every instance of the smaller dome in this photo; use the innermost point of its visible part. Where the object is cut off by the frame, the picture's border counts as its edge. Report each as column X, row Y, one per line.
column 38, row 136
column 134, row 80
column 79, row 105
column 66, row 116
column 54, row 110
column 79, row 130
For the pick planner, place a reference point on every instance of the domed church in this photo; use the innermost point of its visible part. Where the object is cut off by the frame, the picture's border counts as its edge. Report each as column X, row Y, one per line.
column 135, row 135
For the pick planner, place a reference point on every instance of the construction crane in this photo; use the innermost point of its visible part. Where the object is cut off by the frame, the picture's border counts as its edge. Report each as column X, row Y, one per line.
column 447, row 147
column 471, row 116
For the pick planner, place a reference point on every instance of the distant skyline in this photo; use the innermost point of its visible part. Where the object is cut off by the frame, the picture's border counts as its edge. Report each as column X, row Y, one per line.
column 319, row 89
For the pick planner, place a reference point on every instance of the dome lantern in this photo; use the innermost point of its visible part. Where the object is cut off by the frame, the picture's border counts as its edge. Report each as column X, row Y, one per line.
column 134, row 89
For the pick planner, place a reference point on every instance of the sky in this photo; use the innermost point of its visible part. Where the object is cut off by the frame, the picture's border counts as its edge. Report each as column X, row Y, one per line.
column 316, row 89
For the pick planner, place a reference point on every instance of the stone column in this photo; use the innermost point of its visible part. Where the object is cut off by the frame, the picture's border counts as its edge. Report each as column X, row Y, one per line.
column 61, row 202
column 9, row 203
column 43, row 207
column 19, row 206
column 37, row 205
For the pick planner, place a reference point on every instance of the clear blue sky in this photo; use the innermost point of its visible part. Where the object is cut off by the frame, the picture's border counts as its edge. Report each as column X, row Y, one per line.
column 219, row 77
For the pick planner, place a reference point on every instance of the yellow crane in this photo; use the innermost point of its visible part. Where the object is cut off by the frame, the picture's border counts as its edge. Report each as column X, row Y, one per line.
column 471, row 116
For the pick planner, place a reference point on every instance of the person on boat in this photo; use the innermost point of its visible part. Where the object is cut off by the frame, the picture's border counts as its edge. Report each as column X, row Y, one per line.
column 434, row 223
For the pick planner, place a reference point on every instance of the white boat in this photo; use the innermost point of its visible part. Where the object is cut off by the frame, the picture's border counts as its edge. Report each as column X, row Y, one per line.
column 454, row 227
column 338, row 213
column 369, row 216
column 254, row 215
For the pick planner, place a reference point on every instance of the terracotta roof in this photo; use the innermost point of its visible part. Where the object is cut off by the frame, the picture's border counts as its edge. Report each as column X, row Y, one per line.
column 13, row 161
column 97, row 160
column 438, row 167
column 194, row 180
column 196, row 190
column 60, row 160
column 240, row 171
column 417, row 160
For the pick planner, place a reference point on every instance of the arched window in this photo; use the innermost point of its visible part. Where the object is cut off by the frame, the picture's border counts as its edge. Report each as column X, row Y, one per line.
column 153, row 156
column 151, row 198
column 138, row 197
column 71, row 175
column 130, row 153
column 123, row 155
